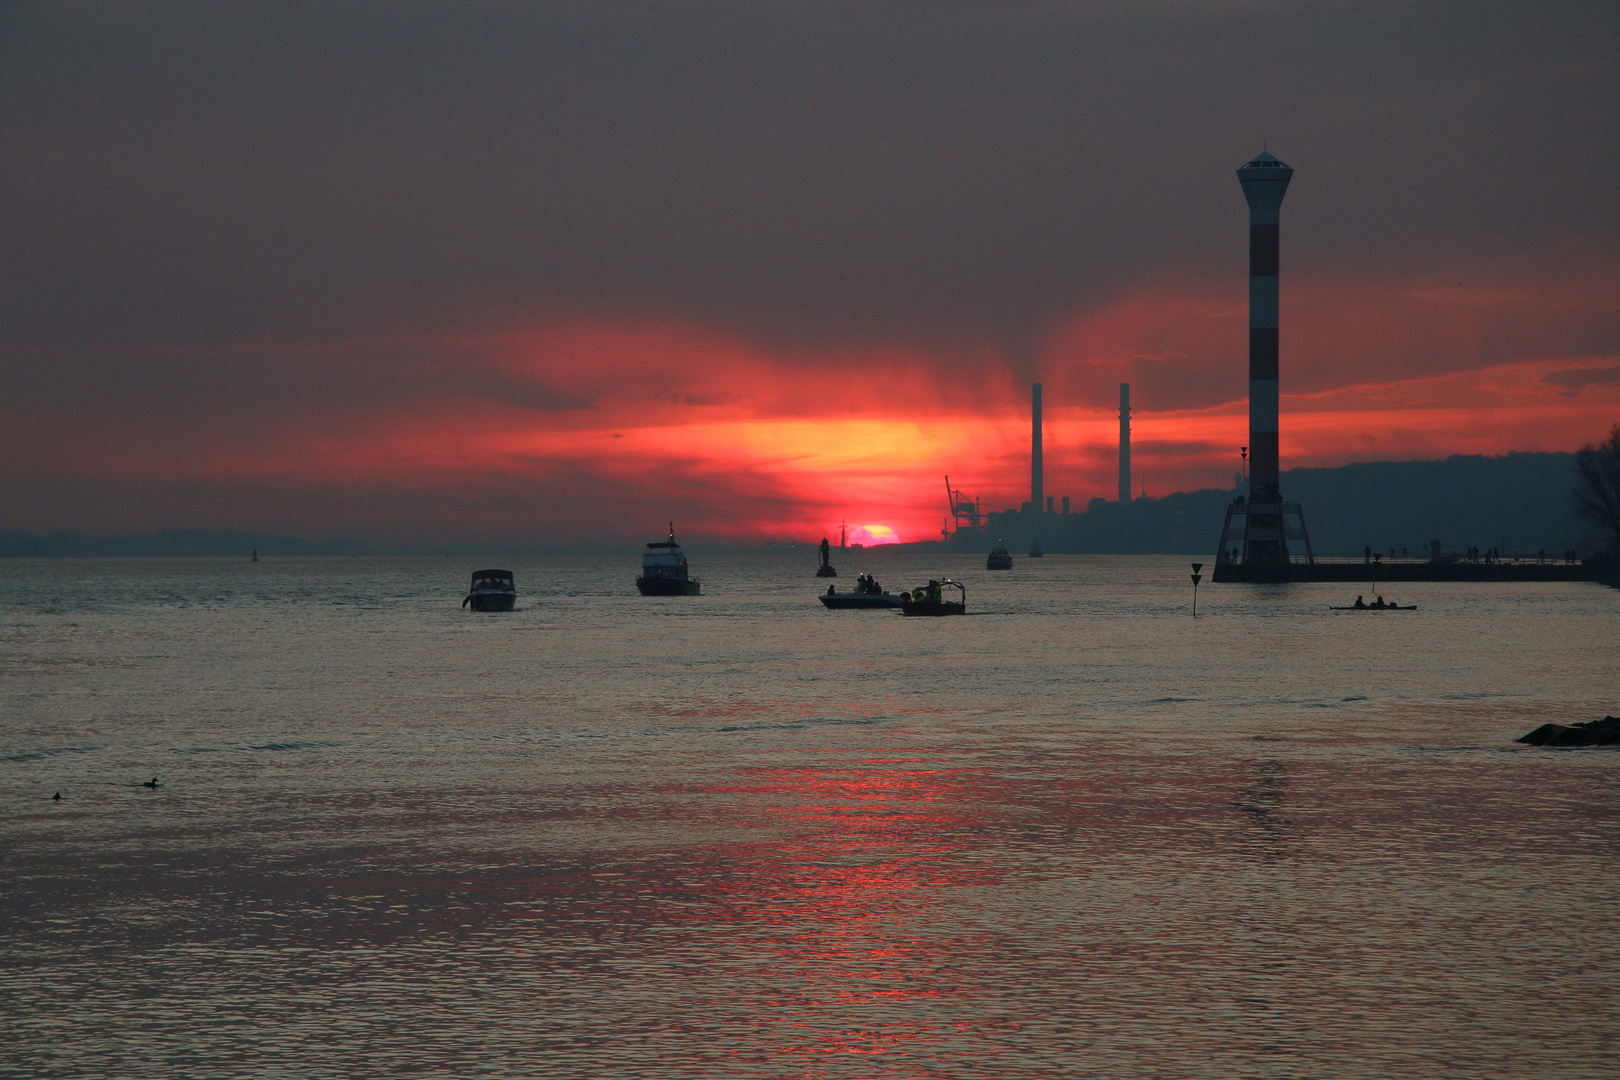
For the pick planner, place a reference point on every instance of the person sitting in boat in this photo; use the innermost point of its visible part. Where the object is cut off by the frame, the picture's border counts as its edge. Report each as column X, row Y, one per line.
column 933, row 591
column 1379, row 603
column 832, row 590
column 1360, row 603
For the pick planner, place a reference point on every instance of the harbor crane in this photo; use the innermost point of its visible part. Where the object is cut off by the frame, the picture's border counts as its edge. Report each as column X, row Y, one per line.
column 964, row 510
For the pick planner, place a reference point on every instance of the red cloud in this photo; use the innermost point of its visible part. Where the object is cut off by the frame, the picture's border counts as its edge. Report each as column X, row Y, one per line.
column 598, row 428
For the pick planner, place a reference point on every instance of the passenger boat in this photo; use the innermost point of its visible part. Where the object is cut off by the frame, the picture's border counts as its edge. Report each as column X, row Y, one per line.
column 1376, row 605
column 868, row 594
column 930, row 600
column 491, row 590
column 1035, row 551
column 1000, row 558
column 664, row 571
column 826, row 567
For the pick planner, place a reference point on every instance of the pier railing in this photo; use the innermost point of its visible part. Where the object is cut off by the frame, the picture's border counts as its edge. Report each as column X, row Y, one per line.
column 1530, row 558
column 1534, row 558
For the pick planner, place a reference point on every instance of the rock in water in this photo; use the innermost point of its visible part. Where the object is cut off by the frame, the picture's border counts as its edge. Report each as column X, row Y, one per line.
column 1604, row 732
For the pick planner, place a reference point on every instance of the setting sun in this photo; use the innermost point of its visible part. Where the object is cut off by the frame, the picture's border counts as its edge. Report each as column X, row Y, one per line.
column 873, row 535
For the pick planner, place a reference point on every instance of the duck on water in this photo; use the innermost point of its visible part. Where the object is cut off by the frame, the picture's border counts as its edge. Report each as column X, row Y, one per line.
column 664, row 571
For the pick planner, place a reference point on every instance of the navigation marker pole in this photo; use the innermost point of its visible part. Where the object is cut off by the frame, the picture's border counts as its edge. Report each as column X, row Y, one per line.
column 1197, row 576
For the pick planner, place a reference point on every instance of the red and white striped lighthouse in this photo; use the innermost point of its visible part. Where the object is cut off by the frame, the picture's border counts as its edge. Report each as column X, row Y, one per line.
column 1265, row 182
column 1263, row 524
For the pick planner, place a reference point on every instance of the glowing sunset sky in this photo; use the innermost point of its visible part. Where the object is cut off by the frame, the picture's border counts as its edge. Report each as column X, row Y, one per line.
column 565, row 271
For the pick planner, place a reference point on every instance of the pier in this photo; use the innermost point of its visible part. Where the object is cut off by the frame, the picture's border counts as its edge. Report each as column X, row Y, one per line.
column 1394, row 571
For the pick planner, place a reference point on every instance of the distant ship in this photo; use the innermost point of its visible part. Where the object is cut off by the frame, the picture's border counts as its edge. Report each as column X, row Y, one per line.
column 1035, row 551
column 664, row 571
column 826, row 567
column 1000, row 558
column 492, row 590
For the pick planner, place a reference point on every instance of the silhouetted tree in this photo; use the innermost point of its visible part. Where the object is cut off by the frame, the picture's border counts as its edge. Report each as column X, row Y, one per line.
column 1597, row 489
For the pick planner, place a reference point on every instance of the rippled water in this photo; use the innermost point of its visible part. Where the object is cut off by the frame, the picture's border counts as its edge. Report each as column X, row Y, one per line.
column 1077, row 833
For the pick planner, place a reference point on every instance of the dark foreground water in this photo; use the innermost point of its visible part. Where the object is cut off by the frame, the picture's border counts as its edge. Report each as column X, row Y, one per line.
column 1077, row 833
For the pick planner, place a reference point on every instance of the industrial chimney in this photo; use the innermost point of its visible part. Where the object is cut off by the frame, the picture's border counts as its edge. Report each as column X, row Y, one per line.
column 1037, row 479
column 1124, row 442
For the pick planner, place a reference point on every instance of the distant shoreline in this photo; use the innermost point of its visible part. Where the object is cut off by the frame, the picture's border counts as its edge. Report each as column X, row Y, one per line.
column 1518, row 503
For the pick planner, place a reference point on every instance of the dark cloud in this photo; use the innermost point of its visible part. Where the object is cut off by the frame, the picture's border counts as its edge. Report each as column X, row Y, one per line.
column 248, row 384
column 234, row 233
column 188, row 174
column 1580, row 378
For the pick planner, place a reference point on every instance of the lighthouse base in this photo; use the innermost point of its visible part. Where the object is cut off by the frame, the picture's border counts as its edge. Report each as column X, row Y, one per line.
column 1263, row 531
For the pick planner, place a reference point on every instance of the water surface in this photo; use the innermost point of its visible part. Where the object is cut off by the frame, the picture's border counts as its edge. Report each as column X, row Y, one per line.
column 1076, row 833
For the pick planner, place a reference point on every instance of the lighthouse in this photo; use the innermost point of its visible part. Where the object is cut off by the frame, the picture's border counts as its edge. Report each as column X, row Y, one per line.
column 1259, row 528
column 1265, row 182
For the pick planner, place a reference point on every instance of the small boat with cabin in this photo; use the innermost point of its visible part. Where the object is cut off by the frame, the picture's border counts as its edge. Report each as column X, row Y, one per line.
column 826, row 567
column 491, row 590
column 664, row 570
column 868, row 594
column 930, row 599
column 1000, row 558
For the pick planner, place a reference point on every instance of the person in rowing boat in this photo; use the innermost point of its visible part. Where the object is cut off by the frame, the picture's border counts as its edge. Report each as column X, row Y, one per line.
column 1360, row 603
column 1379, row 603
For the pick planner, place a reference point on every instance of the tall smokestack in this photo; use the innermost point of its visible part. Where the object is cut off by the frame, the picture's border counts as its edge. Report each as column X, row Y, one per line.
column 1124, row 442
column 1037, row 478
column 1265, row 182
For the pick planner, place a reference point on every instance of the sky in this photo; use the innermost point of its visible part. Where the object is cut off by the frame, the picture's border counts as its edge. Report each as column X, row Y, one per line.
column 563, row 272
